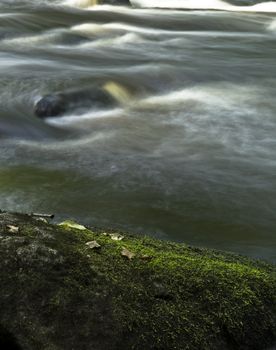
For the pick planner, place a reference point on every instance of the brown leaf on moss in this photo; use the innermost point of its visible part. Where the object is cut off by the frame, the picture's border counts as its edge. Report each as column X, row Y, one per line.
column 93, row 245
column 146, row 257
column 12, row 229
column 116, row 236
column 128, row 254
column 42, row 220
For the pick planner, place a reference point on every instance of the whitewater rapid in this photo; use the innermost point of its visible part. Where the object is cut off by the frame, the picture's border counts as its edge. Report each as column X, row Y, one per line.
column 218, row 5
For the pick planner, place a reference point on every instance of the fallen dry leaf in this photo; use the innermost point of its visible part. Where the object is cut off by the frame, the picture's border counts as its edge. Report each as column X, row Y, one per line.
column 42, row 220
column 93, row 245
column 116, row 236
column 146, row 257
column 129, row 255
column 12, row 229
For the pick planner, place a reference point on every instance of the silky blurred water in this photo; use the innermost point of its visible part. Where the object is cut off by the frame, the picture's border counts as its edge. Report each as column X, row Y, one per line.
column 188, row 154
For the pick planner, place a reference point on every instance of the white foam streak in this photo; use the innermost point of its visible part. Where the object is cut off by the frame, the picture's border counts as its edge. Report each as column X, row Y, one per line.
column 117, row 41
column 90, row 29
column 219, row 96
column 272, row 26
column 74, row 119
column 127, row 38
column 46, row 38
column 65, row 144
column 204, row 5
column 80, row 3
column 127, row 27
column 207, row 96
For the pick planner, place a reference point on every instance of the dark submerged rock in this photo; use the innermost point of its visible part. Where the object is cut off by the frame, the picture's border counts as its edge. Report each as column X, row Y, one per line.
column 57, row 293
column 116, row 2
column 66, row 102
column 50, row 106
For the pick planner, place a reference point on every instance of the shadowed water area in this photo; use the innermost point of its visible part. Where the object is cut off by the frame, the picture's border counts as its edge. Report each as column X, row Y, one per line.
column 189, row 151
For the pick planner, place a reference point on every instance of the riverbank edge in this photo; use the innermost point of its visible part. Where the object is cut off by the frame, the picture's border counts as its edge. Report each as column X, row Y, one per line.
column 70, row 287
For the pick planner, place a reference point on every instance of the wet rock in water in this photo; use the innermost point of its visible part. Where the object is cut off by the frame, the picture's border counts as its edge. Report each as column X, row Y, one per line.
column 116, row 2
column 50, row 106
column 54, row 105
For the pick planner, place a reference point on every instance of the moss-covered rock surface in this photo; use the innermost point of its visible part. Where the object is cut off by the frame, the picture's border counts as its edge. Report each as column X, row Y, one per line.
column 127, row 292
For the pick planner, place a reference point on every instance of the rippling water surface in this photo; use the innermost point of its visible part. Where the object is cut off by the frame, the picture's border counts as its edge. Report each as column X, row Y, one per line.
column 189, row 152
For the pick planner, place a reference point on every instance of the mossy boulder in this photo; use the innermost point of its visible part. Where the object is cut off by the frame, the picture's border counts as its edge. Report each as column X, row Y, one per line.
column 127, row 292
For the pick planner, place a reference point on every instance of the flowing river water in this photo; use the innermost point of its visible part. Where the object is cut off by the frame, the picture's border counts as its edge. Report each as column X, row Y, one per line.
column 189, row 151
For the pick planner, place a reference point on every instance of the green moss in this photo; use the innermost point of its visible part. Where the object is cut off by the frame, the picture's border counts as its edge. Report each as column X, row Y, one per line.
column 168, row 296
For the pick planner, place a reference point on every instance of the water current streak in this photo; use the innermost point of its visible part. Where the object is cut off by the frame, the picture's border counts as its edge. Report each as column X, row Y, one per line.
column 187, row 152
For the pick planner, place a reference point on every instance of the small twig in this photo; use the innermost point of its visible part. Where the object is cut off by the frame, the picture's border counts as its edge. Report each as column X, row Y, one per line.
column 50, row 216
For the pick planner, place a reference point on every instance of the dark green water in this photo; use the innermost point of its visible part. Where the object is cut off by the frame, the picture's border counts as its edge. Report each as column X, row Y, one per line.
column 189, row 155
